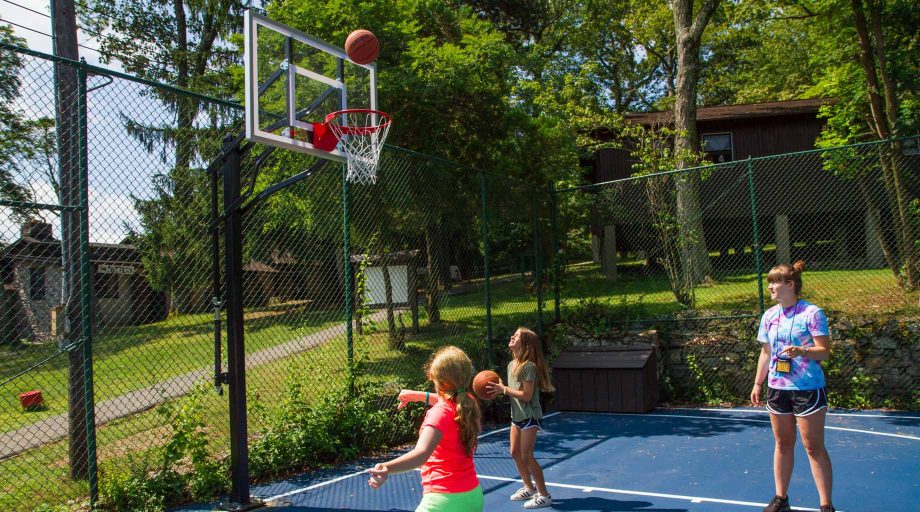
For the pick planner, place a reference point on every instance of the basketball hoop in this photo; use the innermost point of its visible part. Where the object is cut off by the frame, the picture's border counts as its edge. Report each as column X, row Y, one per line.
column 361, row 133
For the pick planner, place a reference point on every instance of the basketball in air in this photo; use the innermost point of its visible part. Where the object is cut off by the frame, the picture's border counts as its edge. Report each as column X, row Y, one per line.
column 362, row 46
column 479, row 383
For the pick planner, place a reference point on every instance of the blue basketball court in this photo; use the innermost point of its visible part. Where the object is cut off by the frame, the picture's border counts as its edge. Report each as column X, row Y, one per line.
column 671, row 460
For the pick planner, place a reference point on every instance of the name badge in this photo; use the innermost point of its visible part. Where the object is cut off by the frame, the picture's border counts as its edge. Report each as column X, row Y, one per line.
column 783, row 365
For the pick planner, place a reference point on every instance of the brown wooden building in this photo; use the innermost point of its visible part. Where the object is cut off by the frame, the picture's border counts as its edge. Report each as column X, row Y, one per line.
column 802, row 209
column 31, row 278
column 732, row 132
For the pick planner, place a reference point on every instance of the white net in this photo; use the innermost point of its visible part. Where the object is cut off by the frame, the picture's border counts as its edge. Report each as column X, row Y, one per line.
column 361, row 135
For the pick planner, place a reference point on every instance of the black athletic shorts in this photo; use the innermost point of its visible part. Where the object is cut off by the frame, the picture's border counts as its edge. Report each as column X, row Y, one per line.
column 797, row 402
column 528, row 423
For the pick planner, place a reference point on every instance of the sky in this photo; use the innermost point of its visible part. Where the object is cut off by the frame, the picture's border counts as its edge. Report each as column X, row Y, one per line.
column 119, row 167
column 20, row 13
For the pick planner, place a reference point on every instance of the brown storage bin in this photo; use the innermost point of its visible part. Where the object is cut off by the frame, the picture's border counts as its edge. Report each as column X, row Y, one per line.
column 606, row 379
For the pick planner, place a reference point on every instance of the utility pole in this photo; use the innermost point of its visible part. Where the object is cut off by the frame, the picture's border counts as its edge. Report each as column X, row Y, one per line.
column 64, row 30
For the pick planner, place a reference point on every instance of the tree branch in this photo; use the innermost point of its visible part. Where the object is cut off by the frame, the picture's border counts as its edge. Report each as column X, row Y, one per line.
column 702, row 18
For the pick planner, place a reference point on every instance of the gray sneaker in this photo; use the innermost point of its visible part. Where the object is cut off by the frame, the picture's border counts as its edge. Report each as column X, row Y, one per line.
column 539, row 501
column 523, row 494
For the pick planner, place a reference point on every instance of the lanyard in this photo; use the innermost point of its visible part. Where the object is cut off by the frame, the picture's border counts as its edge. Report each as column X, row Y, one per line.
column 782, row 314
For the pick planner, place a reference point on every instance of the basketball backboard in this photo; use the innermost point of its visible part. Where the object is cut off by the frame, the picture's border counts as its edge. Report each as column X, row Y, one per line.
column 294, row 80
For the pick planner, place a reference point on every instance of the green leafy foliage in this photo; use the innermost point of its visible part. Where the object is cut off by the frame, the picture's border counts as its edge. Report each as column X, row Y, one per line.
column 303, row 433
column 186, row 470
column 15, row 143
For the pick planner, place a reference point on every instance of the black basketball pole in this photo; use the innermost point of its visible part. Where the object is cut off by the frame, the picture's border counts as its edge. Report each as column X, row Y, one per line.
column 236, row 355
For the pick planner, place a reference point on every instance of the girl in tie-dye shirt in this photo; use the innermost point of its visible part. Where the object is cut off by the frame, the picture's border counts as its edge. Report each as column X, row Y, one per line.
column 794, row 340
column 796, row 326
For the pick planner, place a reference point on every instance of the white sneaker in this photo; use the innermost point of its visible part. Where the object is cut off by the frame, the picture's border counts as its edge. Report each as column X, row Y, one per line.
column 523, row 494
column 539, row 501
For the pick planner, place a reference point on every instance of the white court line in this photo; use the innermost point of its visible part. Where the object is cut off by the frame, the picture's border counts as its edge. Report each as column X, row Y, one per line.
column 346, row 477
column 692, row 499
column 588, row 489
column 315, row 486
column 827, row 427
column 856, row 415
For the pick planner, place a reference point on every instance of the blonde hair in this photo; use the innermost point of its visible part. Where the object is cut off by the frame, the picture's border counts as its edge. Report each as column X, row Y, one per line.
column 785, row 272
column 451, row 371
column 532, row 350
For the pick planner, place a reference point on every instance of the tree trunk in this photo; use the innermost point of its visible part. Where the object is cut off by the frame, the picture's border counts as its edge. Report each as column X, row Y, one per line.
column 884, row 108
column 395, row 340
column 689, row 32
column 870, row 199
column 431, row 243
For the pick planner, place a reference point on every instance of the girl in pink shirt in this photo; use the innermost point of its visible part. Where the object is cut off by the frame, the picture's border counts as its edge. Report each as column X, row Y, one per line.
column 446, row 439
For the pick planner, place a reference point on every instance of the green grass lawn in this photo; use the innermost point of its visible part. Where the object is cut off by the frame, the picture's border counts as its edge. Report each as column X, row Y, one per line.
column 853, row 292
column 133, row 357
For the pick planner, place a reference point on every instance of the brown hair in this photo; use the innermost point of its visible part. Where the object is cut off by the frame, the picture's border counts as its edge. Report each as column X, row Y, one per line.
column 451, row 371
column 785, row 272
column 533, row 351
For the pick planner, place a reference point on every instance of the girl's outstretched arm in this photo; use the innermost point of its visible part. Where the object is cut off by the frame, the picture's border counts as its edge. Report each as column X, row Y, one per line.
column 409, row 395
column 428, row 440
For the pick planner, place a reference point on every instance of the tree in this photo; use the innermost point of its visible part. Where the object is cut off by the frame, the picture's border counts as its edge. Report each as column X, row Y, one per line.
column 875, row 82
column 183, row 43
column 15, row 143
column 649, row 147
column 760, row 51
column 689, row 31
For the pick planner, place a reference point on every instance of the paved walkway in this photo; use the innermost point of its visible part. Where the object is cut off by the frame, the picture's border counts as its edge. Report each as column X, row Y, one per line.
column 54, row 428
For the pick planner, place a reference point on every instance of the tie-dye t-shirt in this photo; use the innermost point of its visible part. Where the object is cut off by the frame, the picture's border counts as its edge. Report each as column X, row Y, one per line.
column 781, row 327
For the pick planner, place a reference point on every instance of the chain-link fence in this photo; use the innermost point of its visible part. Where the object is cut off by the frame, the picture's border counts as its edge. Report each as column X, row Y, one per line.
column 113, row 314
column 638, row 253
column 114, row 299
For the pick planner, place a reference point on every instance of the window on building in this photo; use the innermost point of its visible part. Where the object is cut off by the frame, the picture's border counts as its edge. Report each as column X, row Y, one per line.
column 106, row 286
column 37, row 283
column 718, row 147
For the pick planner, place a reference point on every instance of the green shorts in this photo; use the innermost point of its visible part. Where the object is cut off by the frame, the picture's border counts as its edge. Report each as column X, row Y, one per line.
column 469, row 501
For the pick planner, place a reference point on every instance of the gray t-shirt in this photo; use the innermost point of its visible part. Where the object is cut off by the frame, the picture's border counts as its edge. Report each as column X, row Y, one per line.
column 521, row 410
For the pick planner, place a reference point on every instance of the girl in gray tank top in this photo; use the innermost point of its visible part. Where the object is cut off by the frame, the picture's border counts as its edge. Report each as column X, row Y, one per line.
column 528, row 374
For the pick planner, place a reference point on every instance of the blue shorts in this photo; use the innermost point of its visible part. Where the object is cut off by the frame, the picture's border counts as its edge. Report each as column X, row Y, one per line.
column 528, row 423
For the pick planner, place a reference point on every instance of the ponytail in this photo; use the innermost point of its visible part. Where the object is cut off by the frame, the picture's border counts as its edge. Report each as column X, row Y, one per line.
column 452, row 373
column 469, row 419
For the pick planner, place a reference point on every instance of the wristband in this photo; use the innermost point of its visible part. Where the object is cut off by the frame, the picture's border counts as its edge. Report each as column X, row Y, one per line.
column 426, row 398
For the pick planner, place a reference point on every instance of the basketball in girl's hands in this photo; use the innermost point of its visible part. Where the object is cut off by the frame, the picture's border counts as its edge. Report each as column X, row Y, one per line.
column 479, row 383
column 362, row 46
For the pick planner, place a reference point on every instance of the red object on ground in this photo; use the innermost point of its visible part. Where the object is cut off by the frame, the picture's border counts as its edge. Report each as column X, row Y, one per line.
column 31, row 399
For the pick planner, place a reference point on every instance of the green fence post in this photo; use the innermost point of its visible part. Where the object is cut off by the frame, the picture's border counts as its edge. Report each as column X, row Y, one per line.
column 346, row 248
column 485, row 264
column 537, row 263
column 85, row 293
column 758, row 258
column 556, row 272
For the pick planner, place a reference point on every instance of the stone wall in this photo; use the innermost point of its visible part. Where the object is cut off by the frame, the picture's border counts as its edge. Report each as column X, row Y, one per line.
column 874, row 363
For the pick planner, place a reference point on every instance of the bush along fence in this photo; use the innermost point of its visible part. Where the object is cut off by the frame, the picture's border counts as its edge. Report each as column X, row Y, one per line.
column 630, row 260
column 114, row 323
